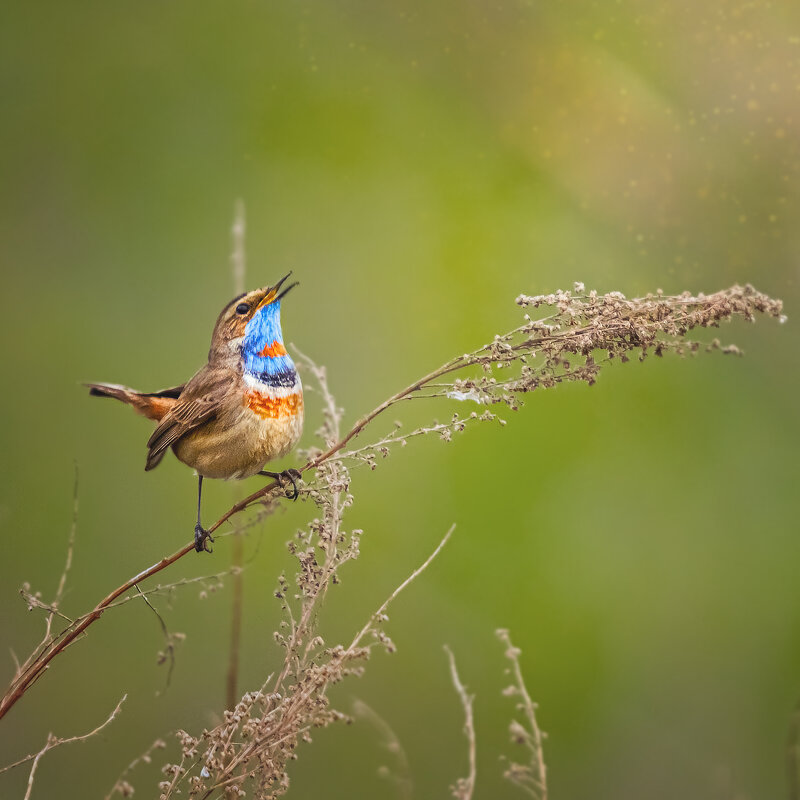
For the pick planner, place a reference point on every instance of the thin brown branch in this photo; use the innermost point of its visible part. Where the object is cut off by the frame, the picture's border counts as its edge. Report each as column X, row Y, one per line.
column 121, row 785
column 464, row 788
column 34, row 600
column 532, row 777
column 32, row 672
column 168, row 653
column 35, row 764
column 381, row 612
column 55, row 741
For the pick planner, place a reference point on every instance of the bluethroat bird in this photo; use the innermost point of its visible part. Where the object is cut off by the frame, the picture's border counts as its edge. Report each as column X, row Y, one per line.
column 241, row 410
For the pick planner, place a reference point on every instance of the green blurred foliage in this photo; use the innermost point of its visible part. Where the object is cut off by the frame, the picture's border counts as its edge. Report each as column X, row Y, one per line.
column 417, row 165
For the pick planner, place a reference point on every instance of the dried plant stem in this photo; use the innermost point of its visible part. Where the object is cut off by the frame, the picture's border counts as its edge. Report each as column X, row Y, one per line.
column 30, row 672
column 55, row 741
column 379, row 614
column 532, row 777
column 281, row 723
column 582, row 324
column 121, row 785
column 464, row 788
column 34, row 667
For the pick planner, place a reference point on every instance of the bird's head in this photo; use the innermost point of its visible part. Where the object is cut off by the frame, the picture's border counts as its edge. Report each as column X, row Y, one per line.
column 249, row 320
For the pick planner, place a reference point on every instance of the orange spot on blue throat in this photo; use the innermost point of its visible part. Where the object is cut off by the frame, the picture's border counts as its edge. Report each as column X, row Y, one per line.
column 273, row 350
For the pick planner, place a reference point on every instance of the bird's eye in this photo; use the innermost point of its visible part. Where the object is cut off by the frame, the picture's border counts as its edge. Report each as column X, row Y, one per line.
column 242, row 308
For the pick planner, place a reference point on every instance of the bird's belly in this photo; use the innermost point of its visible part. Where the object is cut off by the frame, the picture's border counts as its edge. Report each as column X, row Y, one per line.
column 238, row 444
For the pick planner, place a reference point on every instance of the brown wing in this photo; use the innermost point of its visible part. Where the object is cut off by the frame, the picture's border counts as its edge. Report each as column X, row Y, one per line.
column 198, row 403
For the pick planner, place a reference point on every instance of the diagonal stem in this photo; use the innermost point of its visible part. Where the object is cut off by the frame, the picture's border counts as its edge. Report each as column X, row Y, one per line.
column 38, row 666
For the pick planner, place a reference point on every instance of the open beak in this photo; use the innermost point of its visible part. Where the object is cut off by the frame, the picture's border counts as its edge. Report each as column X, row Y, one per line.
column 272, row 295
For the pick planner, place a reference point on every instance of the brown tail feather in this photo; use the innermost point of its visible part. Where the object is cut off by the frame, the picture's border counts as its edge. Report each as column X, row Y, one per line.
column 154, row 405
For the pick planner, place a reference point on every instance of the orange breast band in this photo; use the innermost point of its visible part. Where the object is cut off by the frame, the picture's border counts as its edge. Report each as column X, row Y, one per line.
column 273, row 350
column 273, row 407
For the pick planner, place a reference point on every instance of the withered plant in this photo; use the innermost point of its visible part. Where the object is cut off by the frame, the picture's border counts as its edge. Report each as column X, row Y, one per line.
column 571, row 337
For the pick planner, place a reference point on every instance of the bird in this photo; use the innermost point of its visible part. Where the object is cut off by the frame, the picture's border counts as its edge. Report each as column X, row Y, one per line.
column 241, row 410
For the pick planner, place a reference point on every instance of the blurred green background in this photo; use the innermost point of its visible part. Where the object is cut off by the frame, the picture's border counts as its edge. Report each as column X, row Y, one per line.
column 417, row 165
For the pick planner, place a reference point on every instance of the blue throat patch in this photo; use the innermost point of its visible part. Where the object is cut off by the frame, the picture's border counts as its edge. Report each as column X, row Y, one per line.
column 261, row 332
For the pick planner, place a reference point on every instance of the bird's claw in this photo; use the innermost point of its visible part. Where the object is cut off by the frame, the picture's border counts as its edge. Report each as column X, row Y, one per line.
column 201, row 539
column 291, row 475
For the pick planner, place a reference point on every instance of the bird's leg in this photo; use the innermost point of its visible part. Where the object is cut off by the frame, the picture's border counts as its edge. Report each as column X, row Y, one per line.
column 292, row 475
column 201, row 536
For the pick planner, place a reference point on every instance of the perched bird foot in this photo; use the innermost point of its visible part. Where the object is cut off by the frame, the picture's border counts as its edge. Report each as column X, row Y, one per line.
column 201, row 539
column 290, row 475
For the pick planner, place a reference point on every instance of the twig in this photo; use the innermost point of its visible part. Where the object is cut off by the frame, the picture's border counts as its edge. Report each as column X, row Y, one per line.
column 381, row 612
column 168, row 654
column 55, row 741
column 34, row 600
column 464, row 787
column 298, row 708
column 121, row 785
column 29, row 672
column 33, row 671
column 532, row 778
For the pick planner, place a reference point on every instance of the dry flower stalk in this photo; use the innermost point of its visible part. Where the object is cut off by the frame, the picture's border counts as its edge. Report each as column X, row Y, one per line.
column 56, row 741
column 530, row 777
column 122, row 786
column 464, row 788
column 582, row 332
column 249, row 752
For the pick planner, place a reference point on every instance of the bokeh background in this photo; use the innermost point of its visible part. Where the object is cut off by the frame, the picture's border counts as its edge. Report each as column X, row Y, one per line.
column 417, row 165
